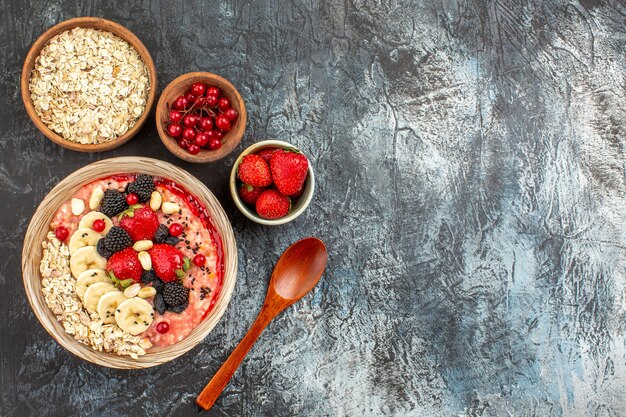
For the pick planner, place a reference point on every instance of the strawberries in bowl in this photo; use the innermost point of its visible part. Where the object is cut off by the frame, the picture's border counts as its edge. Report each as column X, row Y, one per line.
column 272, row 182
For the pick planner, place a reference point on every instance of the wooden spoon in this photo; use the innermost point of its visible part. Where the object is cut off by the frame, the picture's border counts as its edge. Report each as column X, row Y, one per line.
column 298, row 270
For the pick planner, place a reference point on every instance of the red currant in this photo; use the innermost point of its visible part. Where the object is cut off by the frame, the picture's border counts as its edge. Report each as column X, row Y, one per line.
column 176, row 229
column 190, row 98
column 211, row 100
column 215, row 144
column 199, row 260
column 223, row 103
column 183, row 143
column 197, row 89
column 213, row 91
column 193, row 149
column 163, row 327
column 202, row 139
column 218, row 134
column 131, row 199
column 231, row 114
column 174, row 130
column 98, row 225
column 180, row 103
column 175, row 116
column 61, row 233
column 189, row 133
column 190, row 120
column 206, row 124
column 223, row 123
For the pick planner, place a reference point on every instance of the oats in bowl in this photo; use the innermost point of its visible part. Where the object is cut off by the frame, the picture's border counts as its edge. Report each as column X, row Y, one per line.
column 89, row 86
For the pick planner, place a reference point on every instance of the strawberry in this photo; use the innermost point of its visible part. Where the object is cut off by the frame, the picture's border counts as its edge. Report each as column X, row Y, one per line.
column 289, row 170
column 272, row 205
column 125, row 265
column 168, row 262
column 140, row 222
column 255, row 171
column 266, row 154
column 250, row 194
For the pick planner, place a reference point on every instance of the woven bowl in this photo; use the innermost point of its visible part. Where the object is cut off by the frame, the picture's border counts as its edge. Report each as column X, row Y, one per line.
column 94, row 23
column 38, row 229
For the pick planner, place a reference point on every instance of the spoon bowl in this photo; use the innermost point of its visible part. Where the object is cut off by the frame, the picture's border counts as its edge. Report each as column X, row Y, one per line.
column 297, row 271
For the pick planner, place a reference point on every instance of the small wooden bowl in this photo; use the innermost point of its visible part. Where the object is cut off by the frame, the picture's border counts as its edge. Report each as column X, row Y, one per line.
column 298, row 207
column 38, row 229
column 177, row 88
column 94, row 23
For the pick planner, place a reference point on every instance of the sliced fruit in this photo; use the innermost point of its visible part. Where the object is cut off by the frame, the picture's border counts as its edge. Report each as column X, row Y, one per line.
column 93, row 294
column 134, row 315
column 86, row 258
column 89, row 277
column 125, row 265
column 83, row 237
column 87, row 221
column 108, row 304
column 140, row 222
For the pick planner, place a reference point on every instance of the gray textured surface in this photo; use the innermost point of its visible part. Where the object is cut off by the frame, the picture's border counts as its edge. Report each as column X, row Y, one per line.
column 470, row 159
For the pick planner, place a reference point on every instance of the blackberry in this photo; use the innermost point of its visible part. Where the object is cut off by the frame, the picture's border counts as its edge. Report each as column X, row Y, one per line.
column 113, row 203
column 161, row 234
column 159, row 304
column 102, row 249
column 171, row 240
column 178, row 309
column 142, row 186
column 117, row 239
column 148, row 276
column 175, row 294
column 158, row 284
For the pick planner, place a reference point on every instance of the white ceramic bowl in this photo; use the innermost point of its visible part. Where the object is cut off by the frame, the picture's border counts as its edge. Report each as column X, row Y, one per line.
column 297, row 207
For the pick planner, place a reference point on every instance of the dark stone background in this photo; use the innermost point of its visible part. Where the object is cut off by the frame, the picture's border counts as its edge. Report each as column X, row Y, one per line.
column 470, row 160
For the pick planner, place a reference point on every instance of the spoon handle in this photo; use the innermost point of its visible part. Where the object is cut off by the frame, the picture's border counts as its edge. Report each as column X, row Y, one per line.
column 219, row 381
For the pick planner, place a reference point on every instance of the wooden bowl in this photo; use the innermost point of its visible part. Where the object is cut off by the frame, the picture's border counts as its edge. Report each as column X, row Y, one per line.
column 38, row 229
column 298, row 207
column 177, row 88
column 95, row 23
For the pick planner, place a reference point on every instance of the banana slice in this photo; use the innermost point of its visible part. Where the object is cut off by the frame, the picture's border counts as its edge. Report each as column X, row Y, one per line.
column 108, row 304
column 87, row 221
column 83, row 237
column 94, row 292
column 86, row 258
column 88, row 277
column 134, row 315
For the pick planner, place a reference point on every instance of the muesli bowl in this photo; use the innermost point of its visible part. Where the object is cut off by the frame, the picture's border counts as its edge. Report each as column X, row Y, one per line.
column 128, row 112
column 196, row 204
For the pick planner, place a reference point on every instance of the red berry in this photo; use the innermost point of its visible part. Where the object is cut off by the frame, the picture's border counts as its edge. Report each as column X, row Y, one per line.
column 166, row 260
column 176, row 229
column 162, row 327
column 191, row 99
column 289, row 171
column 99, row 225
column 211, row 100
column 250, row 194
column 272, row 205
column 223, row 123
column 193, row 149
column 174, row 130
column 189, row 133
column 183, row 143
column 266, row 154
column 215, row 144
column 180, row 103
column 190, row 120
column 223, row 103
column 140, row 223
column 213, row 91
column 199, row 260
column 206, row 124
column 202, row 139
column 61, row 233
column 125, row 265
column 218, row 134
column 254, row 170
column 197, row 89
column 175, row 116
column 131, row 199
column 231, row 114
